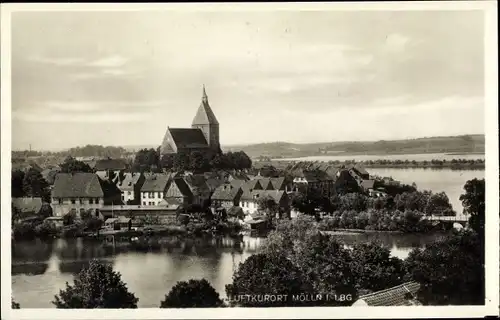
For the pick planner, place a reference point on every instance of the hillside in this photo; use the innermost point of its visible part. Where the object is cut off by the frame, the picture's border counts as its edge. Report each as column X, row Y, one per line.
column 454, row 144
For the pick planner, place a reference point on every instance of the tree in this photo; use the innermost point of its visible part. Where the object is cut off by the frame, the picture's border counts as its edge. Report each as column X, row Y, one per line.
column 450, row 271
column 197, row 162
column 45, row 210
column 34, row 185
column 71, row 165
column 326, row 264
column 192, row 294
column 263, row 274
column 69, row 218
column 439, row 204
column 374, row 268
column 473, row 201
column 96, row 286
column 146, row 160
column 17, row 183
column 167, row 161
column 269, row 205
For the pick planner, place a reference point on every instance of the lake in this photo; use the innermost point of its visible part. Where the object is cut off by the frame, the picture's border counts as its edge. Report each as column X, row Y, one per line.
column 409, row 157
column 450, row 181
column 40, row 269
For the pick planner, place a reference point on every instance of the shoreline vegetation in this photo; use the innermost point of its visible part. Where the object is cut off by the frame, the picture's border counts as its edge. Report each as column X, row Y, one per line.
column 434, row 164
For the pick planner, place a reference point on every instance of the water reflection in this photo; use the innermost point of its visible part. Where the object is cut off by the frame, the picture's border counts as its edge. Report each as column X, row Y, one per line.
column 40, row 269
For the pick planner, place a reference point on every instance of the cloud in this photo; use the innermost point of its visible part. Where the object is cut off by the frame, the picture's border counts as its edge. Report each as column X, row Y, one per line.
column 109, row 62
column 98, row 117
column 63, row 61
column 396, row 42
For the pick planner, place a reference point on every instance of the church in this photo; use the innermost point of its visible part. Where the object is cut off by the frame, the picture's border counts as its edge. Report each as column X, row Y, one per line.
column 202, row 136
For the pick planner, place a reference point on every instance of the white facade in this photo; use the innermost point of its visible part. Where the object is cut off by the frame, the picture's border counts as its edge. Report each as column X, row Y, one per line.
column 249, row 206
column 127, row 195
column 151, row 198
column 62, row 206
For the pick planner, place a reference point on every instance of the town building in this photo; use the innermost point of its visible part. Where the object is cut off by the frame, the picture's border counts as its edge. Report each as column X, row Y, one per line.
column 199, row 189
column 178, row 190
column 130, row 186
column 226, row 196
column 78, row 192
column 202, row 136
column 29, row 206
column 109, row 168
column 154, row 188
column 401, row 295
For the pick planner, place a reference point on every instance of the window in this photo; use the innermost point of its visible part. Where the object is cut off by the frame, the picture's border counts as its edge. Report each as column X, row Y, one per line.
column 151, row 195
column 73, row 201
column 60, row 201
column 81, row 201
column 96, row 200
column 130, row 193
column 144, row 203
column 91, row 201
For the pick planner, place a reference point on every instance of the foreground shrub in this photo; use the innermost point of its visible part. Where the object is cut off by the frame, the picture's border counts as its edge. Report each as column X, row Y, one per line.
column 192, row 294
column 96, row 286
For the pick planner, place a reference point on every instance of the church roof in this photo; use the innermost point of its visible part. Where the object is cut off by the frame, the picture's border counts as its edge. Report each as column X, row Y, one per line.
column 205, row 115
column 188, row 138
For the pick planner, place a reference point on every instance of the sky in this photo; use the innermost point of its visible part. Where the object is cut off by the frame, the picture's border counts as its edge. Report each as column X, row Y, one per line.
column 120, row 78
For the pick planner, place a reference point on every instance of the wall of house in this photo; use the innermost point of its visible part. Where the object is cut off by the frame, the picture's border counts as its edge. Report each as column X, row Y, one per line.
column 151, row 198
column 62, row 206
column 249, row 206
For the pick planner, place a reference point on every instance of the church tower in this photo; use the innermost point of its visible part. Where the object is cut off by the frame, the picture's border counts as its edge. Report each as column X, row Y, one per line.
column 206, row 121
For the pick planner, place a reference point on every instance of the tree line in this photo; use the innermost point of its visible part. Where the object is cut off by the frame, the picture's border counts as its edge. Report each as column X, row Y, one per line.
column 197, row 161
column 85, row 151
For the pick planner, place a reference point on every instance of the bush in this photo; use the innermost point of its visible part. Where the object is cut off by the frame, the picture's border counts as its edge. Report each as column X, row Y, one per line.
column 46, row 229
column 96, row 286
column 192, row 294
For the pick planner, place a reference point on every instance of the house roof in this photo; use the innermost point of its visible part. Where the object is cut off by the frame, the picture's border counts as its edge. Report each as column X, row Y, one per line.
column 226, row 192
column 205, row 115
column 395, row 296
column 197, row 183
column 129, row 180
column 235, row 211
column 188, row 137
column 237, row 183
column 359, row 167
column 77, row 185
column 183, row 187
column 28, row 204
column 367, row 184
column 110, row 164
column 276, row 195
column 213, row 183
column 265, row 183
column 50, row 174
column 156, row 182
column 278, row 183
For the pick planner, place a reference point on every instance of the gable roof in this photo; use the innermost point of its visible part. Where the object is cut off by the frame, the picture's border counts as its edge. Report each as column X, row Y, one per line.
column 204, row 115
column 188, row 137
column 110, row 164
column 77, row 185
column 156, row 182
column 395, row 296
column 226, row 192
column 129, row 180
column 28, row 204
column 197, row 183
column 278, row 183
column 367, row 184
column 359, row 167
column 265, row 183
column 183, row 187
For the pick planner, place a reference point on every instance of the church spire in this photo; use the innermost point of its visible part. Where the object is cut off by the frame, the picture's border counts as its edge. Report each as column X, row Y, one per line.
column 204, row 97
column 205, row 115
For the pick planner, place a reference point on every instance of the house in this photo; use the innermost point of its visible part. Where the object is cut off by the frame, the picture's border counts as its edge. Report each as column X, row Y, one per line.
column 202, row 136
column 226, row 196
column 401, row 295
column 367, row 185
column 314, row 180
column 30, row 206
column 109, row 168
column 50, row 175
column 130, row 186
column 79, row 191
column 154, row 188
column 250, row 199
column 179, row 190
column 199, row 188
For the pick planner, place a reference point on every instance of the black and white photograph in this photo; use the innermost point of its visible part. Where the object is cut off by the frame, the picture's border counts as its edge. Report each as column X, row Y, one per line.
column 242, row 159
